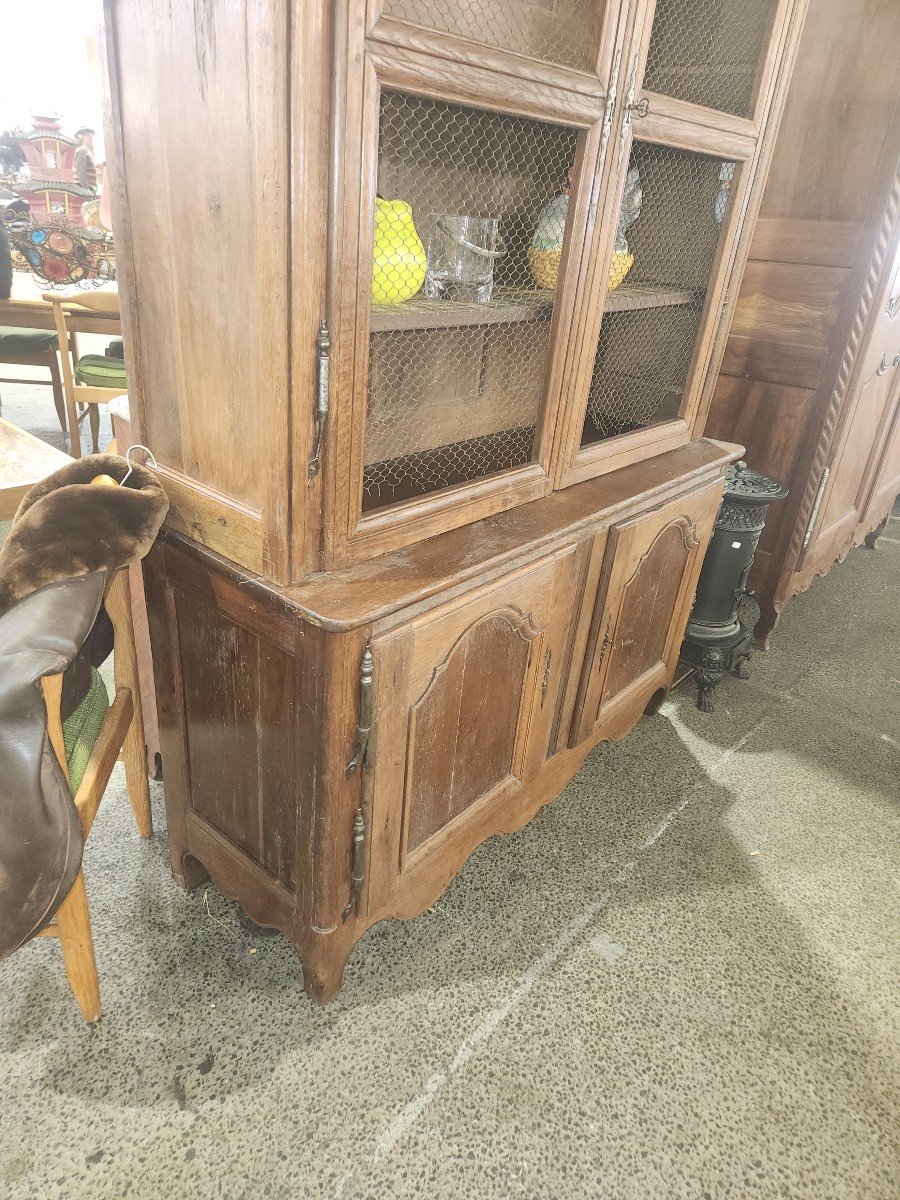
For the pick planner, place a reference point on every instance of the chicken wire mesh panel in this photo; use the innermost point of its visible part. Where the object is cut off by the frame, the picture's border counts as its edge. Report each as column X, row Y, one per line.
column 564, row 32
column 709, row 51
column 470, row 226
column 669, row 227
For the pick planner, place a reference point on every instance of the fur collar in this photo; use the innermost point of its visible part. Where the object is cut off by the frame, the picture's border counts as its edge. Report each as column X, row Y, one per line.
column 65, row 528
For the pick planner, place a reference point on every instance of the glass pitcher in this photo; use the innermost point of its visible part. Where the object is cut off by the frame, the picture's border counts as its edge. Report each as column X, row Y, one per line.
column 461, row 255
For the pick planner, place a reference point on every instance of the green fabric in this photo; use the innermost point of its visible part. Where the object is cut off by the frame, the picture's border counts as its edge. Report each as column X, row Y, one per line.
column 82, row 728
column 100, row 371
column 25, row 341
column 115, row 349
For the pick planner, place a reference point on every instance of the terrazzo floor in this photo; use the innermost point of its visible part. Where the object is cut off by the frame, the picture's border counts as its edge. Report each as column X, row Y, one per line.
column 679, row 981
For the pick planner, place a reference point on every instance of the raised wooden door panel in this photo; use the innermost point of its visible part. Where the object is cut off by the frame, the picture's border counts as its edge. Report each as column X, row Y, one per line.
column 464, row 699
column 643, row 603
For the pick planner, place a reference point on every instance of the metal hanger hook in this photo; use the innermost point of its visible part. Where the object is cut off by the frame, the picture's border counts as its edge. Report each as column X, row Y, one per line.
column 131, row 465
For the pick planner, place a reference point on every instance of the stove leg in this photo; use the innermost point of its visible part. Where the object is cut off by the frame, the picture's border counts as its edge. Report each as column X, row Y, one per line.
column 707, row 675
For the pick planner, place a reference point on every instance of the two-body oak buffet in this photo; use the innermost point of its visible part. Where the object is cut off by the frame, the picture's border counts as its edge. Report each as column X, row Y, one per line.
column 446, row 288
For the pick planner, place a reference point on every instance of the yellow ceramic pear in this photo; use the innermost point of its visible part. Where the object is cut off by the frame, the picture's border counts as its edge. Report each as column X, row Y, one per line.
column 399, row 259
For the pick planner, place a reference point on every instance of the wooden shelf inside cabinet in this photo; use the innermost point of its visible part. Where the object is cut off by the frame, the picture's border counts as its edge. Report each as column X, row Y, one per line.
column 507, row 308
column 629, row 297
column 511, row 307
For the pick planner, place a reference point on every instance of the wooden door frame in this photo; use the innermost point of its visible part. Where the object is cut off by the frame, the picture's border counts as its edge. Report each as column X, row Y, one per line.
column 390, row 866
column 699, row 510
column 689, row 127
column 455, row 71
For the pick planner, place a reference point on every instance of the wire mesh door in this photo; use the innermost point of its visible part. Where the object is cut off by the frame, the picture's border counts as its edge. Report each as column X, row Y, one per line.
column 563, row 32
column 470, row 229
column 672, row 214
column 709, row 52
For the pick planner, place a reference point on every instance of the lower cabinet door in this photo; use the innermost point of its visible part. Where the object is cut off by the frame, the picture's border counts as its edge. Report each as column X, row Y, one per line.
column 463, row 700
column 643, row 604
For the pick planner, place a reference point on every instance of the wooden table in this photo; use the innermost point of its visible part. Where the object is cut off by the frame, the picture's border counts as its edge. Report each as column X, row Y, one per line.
column 26, row 309
column 24, row 460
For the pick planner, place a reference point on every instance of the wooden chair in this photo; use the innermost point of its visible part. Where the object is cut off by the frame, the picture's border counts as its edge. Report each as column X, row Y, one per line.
column 122, row 730
column 34, row 348
column 91, row 379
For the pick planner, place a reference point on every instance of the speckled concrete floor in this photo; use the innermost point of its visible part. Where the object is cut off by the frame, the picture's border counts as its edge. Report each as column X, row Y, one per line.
column 678, row 982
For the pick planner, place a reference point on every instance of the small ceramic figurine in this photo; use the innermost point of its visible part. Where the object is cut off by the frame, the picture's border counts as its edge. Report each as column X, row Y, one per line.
column 632, row 201
column 545, row 251
column 398, row 269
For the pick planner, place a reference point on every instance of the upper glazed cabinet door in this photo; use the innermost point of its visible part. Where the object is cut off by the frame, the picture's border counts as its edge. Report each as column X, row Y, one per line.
column 693, row 85
column 468, row 166
column 713, row 54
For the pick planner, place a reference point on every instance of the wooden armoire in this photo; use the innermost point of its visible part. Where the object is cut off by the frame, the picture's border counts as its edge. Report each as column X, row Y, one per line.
column 810, row 381
column 439, row 504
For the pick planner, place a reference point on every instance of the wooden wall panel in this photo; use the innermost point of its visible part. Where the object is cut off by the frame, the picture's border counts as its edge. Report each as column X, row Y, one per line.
column 772, row 422
column 789, row 303
column 818, row 227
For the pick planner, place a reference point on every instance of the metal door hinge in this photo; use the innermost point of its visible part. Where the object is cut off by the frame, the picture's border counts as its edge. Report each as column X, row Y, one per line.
column 605, row 644
column 610, row 105
column 364, row 727
column 545, row 683
column 817, row 504
column 320, row 411
column 632, row 111
column 357, row 861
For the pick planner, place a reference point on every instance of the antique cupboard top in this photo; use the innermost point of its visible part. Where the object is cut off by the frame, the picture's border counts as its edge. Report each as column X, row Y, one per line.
column 434, row 261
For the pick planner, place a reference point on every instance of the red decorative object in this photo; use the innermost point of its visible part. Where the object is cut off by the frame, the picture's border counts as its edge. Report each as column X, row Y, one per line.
column 51, row 191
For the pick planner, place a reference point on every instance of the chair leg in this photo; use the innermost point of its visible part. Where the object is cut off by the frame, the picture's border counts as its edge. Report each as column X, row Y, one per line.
column 74, row 427
column 94, row 421
column 134, row 752
column 56, row 383
column 77, row 943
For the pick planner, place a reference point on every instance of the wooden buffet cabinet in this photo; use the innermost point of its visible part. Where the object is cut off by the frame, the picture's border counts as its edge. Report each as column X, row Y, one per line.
column 810, row 380
column 434, row 534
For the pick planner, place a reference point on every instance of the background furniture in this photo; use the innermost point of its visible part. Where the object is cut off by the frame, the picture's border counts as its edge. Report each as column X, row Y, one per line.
column 24, row 460
column 37, row 348
column 120, row 729
column 457, row 545
column 27, row 308
column 810, row 381
column 88, row 379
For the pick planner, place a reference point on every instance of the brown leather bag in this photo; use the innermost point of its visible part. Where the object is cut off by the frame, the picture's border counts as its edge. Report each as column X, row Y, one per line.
column 65, row 540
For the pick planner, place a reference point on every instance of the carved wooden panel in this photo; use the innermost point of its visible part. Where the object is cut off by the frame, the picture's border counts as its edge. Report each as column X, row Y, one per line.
column 463, row 729
column 643, row 604
column 648, row 606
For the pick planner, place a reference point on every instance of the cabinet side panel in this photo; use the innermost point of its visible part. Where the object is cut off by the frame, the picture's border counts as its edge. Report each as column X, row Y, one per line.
column 238, row 701
column 828, row 184
column 201, row 119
